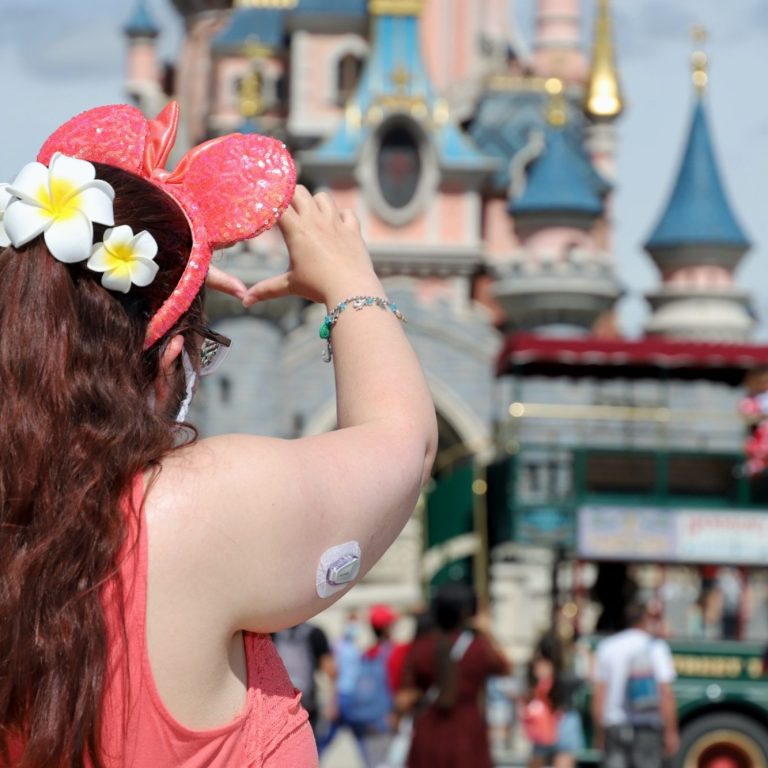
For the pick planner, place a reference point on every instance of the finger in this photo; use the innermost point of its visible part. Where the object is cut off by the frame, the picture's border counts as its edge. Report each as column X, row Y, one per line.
column 271, row 288
column 349, row 219
column 219, row 280
column 326, row 203
column 302, row 199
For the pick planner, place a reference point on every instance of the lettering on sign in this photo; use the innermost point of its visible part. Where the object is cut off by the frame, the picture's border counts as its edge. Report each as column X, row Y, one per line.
column 690, row 665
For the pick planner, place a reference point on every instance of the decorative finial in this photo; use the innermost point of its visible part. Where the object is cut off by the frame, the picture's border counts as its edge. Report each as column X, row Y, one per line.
column 395, row 7
column 699, row 59
column 249, row 94
column 603, row 97
column 556, row 114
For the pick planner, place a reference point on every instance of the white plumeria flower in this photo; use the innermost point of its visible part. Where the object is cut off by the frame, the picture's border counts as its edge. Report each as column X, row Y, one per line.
column 124, row 258
column 61, row 201
column 5, row 198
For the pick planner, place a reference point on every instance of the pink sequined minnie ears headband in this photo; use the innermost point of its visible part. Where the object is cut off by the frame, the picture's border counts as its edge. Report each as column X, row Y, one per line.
column 230, row 189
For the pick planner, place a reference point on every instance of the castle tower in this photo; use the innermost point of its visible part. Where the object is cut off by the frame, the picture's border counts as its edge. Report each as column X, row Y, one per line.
column 557, row 49
column 698, row 242
column 400, row 161
column 248, row 63
column 143, row 72
column 603, row 101
column 558, row 278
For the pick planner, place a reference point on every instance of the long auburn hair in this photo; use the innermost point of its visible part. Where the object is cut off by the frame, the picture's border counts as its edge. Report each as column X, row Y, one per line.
column 76, row 426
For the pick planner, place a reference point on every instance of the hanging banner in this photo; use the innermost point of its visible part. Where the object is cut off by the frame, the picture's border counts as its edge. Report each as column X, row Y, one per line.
column 656, row 534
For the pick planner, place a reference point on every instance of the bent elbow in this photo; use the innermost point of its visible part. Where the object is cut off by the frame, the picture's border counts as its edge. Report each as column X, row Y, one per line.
column 430, row 451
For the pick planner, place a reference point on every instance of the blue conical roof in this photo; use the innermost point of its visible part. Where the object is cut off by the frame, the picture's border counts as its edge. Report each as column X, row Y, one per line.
column 141, row 23
column 698, row 212
column 264, row 26
column 561, row 180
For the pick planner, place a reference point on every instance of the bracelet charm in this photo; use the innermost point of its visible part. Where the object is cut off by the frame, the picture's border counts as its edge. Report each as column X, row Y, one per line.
column 357, row 303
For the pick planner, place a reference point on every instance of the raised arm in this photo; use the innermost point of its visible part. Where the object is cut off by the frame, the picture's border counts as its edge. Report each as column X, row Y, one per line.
column 253, row 516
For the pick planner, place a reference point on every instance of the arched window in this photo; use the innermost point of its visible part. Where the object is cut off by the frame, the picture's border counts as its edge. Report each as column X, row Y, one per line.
column 348, row 72
column 398, row 165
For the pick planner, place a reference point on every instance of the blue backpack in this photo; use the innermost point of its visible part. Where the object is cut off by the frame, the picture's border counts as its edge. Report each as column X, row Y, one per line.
column 371, row 701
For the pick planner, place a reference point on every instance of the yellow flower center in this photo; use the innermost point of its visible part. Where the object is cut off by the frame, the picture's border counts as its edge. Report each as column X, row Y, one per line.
column 120, row 257
column 121, row 252
column 61, row 200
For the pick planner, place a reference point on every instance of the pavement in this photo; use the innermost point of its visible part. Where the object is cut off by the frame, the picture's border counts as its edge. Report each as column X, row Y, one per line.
column 343, row 754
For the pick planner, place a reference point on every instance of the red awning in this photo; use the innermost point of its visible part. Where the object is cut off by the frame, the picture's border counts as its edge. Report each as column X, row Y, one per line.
column 533, row 355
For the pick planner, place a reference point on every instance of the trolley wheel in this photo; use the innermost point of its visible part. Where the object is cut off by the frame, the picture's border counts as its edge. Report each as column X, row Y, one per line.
column 723, row 740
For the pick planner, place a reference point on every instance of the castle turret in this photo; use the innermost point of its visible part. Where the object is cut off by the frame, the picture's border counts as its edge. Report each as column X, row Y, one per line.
column 143, row 72
column 558, row 276
column 557, row 49
column 698, row 242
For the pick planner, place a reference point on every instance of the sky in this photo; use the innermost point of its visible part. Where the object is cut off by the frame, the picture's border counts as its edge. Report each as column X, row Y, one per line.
column 57, row 59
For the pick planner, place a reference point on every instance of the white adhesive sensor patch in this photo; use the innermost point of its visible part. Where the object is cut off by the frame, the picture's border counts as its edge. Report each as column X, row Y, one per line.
column 338, row 567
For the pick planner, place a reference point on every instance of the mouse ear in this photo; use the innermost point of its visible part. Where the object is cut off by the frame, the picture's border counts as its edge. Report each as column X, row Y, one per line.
column 115, row 135
column 240, row 185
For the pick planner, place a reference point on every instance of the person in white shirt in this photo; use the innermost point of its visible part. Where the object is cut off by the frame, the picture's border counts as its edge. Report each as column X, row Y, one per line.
column 633, row 705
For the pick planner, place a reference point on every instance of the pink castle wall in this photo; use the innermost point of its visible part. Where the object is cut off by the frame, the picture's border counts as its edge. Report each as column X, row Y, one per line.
column 142, row 62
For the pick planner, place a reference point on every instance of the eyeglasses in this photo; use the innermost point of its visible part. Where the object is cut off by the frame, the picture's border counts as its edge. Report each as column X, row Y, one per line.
column 213, row 350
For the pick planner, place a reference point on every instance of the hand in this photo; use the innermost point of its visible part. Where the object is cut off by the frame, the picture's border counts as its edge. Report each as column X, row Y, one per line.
column 482, row 620
column 219, row 280
column 331, row 711
column 598, row 740
column 671, row 742
column 328, row 258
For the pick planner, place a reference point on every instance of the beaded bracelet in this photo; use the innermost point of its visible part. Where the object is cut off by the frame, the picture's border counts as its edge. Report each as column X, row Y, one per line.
column 358, row 303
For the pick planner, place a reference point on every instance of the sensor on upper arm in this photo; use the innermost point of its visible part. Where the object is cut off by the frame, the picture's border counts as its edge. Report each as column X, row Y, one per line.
column 338, row 567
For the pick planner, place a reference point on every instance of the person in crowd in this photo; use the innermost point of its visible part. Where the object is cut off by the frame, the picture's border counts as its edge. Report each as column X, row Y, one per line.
column 365, row 702
column 552, row 724
column 445, row 675
column 305, row 652
column 634, row 712
column 123, row 532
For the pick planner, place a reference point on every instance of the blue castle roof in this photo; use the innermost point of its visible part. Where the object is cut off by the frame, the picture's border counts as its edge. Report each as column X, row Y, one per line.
column 395, row 72
column 698, row 212
column 141, row 23
column 561, row 180
column 333, row 7
column 265, row 26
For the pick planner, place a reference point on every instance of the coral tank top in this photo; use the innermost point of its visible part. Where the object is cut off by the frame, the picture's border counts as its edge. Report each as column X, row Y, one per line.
column 272, row 731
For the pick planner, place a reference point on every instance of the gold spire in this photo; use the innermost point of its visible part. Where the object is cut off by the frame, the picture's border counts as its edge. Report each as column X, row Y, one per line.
column 556, row 114
column 395, row 7
column 699, row 60
column 603, row 98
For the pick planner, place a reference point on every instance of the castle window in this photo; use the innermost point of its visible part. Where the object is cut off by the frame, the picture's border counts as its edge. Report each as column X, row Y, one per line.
column 348, row 72
column 398, row 165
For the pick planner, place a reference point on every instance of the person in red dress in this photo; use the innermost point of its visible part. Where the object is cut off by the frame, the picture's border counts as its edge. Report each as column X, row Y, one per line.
column 444, row 682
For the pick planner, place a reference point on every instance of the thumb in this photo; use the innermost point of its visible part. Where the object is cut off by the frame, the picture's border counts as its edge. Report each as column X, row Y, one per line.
column 271, row 288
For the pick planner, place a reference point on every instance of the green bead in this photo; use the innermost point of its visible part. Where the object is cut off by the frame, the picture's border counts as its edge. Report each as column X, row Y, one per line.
column 325, row 331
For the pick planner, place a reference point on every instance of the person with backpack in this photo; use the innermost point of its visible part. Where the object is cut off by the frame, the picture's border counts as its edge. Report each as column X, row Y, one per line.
column 633, row 705
column 304, row 650
column 365, row 696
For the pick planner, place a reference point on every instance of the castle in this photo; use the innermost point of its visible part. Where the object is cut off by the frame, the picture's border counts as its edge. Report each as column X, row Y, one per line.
column 481, row 167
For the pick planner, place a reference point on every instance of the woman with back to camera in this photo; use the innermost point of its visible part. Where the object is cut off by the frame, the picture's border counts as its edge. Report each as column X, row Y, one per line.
column 141, row 568
column 444, row 680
